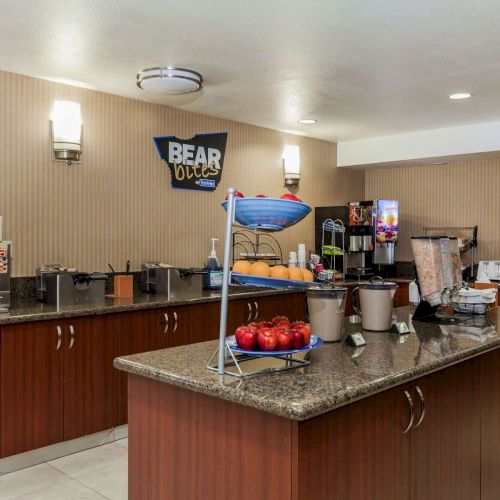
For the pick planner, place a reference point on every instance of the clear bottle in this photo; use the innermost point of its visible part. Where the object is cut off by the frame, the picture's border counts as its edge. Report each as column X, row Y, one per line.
column 212, row 279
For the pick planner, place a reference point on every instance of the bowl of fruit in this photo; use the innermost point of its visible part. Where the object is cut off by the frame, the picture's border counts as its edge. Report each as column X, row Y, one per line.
column 272, row 214
column 273, row 338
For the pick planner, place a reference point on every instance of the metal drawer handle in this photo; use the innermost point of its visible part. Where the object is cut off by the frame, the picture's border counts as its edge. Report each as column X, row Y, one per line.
column 412, row 412
column 59, row 337
column 256, row 311
column 165, row 330
column 422, row 406
column 175, row 325
column 72, row 336
column 249, row 312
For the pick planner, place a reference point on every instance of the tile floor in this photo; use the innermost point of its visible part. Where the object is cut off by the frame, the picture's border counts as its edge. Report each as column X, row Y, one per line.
column 93, row 474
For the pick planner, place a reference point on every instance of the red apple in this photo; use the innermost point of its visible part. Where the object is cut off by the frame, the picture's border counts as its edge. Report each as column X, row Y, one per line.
column 236, row 195
column 285, row 340
column 296, row 324
column 267, row 339
column 265, row 324
column 281, row 320
column 246, row 338
column 290, row 196
column 261, row 196
column 298, row 339
column 306, row 332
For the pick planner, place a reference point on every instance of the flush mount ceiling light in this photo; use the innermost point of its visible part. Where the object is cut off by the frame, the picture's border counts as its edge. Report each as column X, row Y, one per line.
column 307, row 121
column 460, row 95
column 169, row 81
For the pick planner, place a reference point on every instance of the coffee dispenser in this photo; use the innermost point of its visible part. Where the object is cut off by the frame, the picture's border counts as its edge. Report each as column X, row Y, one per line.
column 371, row 234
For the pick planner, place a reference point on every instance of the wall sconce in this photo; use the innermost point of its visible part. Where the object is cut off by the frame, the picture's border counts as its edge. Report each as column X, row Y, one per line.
column 291, row 165
column 66, row 131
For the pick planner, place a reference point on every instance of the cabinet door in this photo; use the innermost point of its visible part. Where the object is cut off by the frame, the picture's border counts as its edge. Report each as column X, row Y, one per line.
column 89, row 379
column 445, row 449
column 194, row 323
column 268, row 307
column 31, row 404
column 490, row 425
column 358, row 452
column 293, row 306
column 136, row 332
column 239, row 312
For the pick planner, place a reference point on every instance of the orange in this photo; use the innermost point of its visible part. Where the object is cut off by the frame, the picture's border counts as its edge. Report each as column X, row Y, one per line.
column 295, row 273
column 280, row 272
column 260, row 269
column 307, row 275
column 242, row 267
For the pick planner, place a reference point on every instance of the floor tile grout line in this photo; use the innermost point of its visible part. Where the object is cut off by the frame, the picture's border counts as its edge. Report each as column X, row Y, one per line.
column 94, row 490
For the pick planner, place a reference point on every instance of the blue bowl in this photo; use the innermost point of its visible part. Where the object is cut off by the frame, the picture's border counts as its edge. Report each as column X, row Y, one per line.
column 273, row 214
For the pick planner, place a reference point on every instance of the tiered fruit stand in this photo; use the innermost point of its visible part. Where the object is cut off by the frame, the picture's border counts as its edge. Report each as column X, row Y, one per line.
column 263, row 214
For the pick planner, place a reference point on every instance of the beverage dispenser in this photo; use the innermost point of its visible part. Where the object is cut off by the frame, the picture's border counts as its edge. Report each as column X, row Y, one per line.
column 5, row 271
column 386, row 230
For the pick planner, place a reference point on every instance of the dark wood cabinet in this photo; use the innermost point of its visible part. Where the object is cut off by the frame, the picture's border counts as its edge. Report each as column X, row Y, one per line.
column 402, row 296
column 357, row 452
column 154, row 329
column 294, row 306
column 135, row 332
column 244, row 311
column 31, row 388
column 490, row 425
column 89, row 379
column 446, row 448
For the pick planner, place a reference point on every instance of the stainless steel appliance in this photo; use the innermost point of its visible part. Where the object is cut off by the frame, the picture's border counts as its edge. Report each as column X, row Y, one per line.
column 5, row 272
column 73, row 288
column 167, row 280
column 41, row 277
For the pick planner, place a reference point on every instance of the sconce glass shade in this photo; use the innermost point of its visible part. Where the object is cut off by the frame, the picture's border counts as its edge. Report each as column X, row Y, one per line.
column 291, row 164
column 66, row 130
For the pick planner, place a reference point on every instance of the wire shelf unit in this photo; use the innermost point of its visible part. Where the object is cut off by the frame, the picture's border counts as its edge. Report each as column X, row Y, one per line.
column 224, row 360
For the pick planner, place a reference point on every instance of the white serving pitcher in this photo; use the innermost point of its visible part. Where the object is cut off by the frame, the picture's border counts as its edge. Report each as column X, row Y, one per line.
column 374, row 302
column 326, row 309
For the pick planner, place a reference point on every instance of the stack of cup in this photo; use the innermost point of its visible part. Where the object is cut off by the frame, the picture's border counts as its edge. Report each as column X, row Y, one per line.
column 292, row 259
column 301, row 256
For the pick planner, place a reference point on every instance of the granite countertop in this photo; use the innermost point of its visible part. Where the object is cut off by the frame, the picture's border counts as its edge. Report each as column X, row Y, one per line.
column 31, row 310
column 338, row 374
column 401, row 281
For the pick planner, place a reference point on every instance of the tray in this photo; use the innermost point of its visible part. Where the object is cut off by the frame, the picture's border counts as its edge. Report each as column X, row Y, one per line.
column 272, row 214
column 264, row 282
column 313, row 344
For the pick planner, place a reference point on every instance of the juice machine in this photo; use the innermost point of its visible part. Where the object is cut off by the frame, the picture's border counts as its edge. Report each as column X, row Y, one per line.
column 371, row 234
column 5, row 271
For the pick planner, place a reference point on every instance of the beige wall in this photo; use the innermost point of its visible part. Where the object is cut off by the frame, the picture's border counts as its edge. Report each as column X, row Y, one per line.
column 457, row 194
column 118, row 203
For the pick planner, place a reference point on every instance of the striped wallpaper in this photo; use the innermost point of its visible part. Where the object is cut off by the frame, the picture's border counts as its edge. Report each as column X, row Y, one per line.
column 118, row 204
column 457, row 194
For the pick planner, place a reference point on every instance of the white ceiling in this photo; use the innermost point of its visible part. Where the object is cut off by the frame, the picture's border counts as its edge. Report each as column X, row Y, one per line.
column 361, row 68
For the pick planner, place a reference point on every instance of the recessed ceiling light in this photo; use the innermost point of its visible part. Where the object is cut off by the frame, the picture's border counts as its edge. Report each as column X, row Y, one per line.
column 460, row 95
column 307, row 120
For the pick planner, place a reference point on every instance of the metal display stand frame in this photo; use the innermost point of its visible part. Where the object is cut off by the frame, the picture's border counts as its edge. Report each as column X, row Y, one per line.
column 225, row 356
